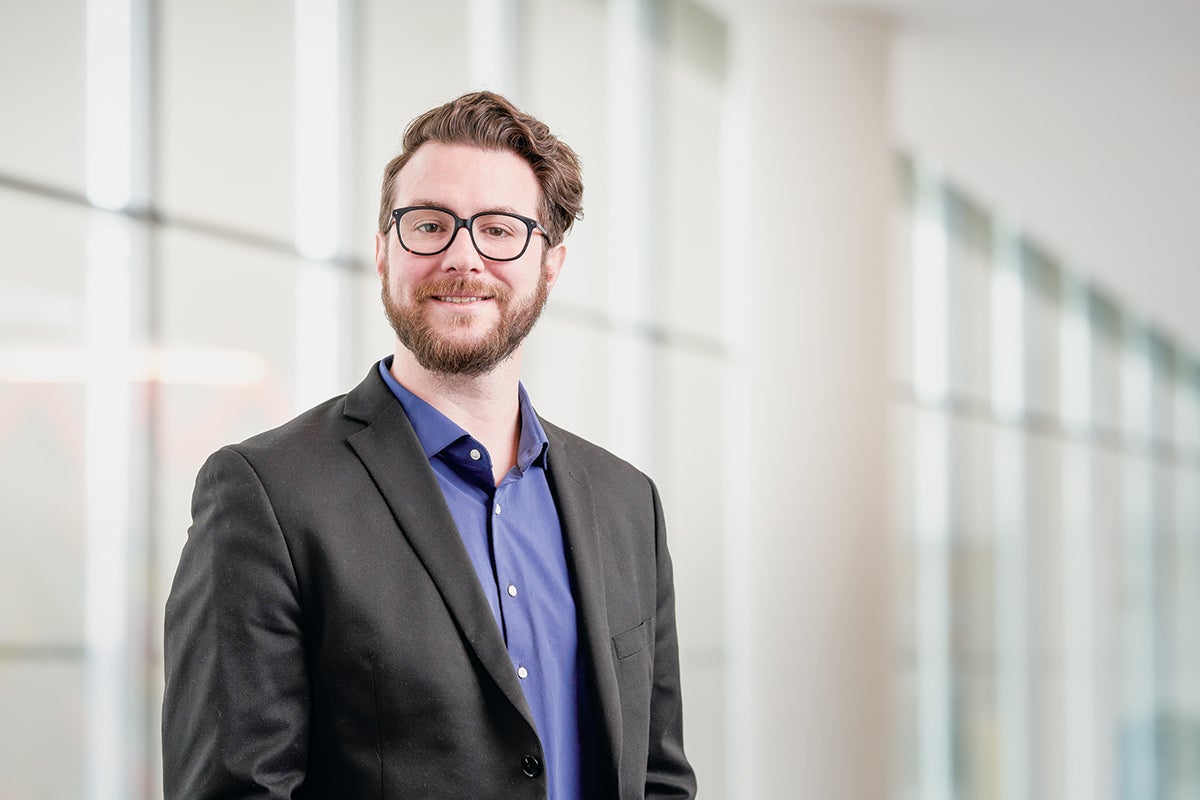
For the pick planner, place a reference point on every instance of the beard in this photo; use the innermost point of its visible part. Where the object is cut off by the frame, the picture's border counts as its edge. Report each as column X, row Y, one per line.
column 438, row 354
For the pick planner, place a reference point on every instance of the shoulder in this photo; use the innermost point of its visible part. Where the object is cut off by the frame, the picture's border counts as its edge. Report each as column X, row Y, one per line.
column 279, row 463
column 305, row 429
column 320, row 433
column 315, row 434
column 588, row 461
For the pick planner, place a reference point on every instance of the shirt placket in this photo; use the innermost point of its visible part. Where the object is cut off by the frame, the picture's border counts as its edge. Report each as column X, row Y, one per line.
column 508, row 578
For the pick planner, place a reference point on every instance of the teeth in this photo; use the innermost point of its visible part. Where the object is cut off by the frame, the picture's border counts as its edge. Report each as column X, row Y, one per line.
column 460, row 299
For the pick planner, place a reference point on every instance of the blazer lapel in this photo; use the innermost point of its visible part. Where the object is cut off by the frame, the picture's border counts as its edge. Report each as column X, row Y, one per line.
column 577, row 510
column 389, row 449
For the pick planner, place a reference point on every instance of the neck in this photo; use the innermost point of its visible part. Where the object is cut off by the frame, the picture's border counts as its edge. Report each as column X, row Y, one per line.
column 486, row 406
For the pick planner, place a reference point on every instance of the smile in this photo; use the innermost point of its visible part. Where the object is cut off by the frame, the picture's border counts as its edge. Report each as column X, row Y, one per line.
column 453, row 299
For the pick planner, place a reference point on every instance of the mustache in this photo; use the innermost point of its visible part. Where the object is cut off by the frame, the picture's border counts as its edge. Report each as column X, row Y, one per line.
column 462, row 287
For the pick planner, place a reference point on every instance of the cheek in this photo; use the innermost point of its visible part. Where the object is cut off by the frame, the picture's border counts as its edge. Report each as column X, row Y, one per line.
column 530, row 275
column 399, row 276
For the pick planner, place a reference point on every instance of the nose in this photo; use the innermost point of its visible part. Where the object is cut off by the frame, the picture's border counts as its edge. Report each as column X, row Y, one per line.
column 461, row 255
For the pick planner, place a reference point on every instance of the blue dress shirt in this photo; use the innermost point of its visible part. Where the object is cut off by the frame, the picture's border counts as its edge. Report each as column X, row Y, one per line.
column 514, row 538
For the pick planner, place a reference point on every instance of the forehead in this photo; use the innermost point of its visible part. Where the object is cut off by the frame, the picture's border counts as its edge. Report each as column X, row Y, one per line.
column 467, row 179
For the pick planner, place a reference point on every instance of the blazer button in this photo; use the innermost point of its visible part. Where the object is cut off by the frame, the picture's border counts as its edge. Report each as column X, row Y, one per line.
column 531, row 766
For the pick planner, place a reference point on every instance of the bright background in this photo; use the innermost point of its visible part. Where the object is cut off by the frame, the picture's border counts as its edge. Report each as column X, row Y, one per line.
column 895, row 300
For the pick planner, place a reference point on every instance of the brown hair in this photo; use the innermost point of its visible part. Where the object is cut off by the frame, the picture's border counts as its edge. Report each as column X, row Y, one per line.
column 489, row 121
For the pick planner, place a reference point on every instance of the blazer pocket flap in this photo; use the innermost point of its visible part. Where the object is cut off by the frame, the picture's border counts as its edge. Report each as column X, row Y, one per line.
column 633, row 640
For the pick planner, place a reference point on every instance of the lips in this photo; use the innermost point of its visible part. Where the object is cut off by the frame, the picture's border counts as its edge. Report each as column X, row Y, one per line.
column 460, row 292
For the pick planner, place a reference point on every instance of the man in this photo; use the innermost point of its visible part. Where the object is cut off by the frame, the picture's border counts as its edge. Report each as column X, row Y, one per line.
column 420, row 589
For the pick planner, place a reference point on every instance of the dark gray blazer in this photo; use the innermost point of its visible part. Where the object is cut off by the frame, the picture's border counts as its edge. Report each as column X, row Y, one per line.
column 326, row 636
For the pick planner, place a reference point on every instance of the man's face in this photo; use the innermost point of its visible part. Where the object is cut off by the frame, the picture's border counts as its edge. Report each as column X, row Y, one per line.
column 457, row 312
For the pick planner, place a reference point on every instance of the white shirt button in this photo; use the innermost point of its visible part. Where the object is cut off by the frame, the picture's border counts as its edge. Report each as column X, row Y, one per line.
column 512, row 590
column 476, row 455
column 497, row 508
column 522, row 673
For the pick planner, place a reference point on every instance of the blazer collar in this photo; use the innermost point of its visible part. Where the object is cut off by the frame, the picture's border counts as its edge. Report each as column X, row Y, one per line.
column 576, row 503
column 389, row 449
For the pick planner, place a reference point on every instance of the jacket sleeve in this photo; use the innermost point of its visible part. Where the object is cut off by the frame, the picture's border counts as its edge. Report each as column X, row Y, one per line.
column 668, row 773
column 235, row 705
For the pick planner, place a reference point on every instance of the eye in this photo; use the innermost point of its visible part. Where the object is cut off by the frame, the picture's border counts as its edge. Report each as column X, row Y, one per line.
column 496, row 227
column 426, row 223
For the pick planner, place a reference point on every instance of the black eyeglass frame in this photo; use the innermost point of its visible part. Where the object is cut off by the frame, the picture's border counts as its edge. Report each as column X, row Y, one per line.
column 531, row 225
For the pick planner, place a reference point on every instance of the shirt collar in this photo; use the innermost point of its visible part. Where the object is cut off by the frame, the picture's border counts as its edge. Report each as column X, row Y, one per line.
column 436, row 432
column 533, row 444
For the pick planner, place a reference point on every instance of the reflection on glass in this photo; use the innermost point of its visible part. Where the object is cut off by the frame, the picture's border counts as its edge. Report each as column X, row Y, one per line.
column 107, row 435
column 930, row 289
column 491, row 31
column 1091, row 424
column 931, row 490
column 1008, row 368
column 317, row 122
column 1183, row 692
column 1076, row 363
column 631, row 107
column 1137, row 709
column 1082, row 775
column 319, row 333
column 1013, row 651
column 109, row 101
column 1136, row 400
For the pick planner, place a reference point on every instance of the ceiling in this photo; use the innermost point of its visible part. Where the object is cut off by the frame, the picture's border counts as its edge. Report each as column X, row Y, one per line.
column 1082, row 128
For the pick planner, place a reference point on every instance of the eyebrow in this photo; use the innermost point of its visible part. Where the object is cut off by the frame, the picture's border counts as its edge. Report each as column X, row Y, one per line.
column 425, row 201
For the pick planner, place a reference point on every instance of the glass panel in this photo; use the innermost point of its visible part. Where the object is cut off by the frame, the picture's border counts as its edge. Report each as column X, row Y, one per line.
column 687, row 244
column 692, row 392
column 691, row 388
column 1035, row 601
column 41, row 740
column 573, row 102
column 42, row 58
column 1163, row 367
column 1187, row 410
column 1043, row 650
column 1137, row 388
column 1183, row 650
column 1107, row 521
column 930, row 314
column 369, row 336
column 42, row 476
column 1080, row 656
column 988, row 547
column 1014, row 587
column 1042, row 303
column 225, row 115
column 1106, row 365
column 1010, row 334
column 970, row 300
column 1137, row 621
column 902, row 326
column 566, row 370
column 71, row 357
column 936, row 725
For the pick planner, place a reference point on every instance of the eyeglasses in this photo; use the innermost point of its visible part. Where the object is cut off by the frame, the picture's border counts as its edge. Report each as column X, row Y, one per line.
column 496, row 235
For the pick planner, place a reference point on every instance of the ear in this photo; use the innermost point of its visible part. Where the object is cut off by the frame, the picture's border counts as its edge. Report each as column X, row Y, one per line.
column 555, row 257
column 381, row 259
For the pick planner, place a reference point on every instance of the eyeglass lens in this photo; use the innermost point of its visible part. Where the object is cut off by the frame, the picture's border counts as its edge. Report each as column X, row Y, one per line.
column 499, row 237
